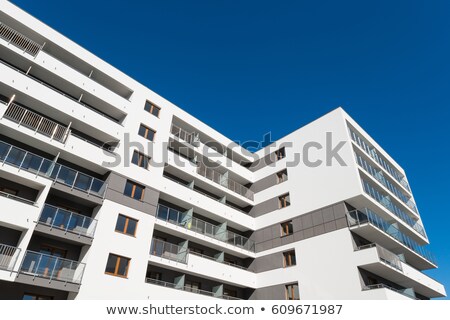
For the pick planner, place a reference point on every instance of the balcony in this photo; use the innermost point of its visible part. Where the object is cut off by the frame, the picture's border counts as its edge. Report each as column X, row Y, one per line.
column 409, row 292
column 19, row 40
column 386, row 202
column 368, row 224
column 372, row 152
column 188, row 289
column 204, row 256
column 392, row 267
column 224, row 181
column 67, row 221
column 205, row 228
column 38, row 165
column 189, row 137
column 16, row 198
column 380, row 177
column 49, row 267
column 8, row 257
column 36, row 122
column 168, row 251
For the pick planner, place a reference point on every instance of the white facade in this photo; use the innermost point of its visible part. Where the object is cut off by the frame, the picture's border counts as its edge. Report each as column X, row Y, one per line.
column 348, row 230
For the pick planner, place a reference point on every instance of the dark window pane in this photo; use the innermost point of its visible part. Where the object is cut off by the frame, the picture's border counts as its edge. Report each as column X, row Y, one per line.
column 150, row 135
column 155, row 111
column 135, row 158
column 131, row 228
column 138, row 193
column 147, row 106
column 111, row 264
column 142, row 130
column 120, row 225
column 128, row 189
column 123, row 266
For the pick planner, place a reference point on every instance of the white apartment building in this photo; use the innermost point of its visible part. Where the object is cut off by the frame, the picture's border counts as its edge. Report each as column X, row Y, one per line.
column 109, row 191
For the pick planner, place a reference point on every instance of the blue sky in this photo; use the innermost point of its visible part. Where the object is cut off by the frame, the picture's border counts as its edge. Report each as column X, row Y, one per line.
column 275, row 66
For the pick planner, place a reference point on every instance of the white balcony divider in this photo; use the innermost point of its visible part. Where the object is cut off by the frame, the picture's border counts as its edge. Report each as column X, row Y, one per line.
column 8, row 257
column 224, row 181
column 36, row 122
column 52, row 267
column 19, row 40
column 67, row 221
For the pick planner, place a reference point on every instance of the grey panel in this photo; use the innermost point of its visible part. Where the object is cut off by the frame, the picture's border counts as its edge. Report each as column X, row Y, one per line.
column 277, row 292
column 67, row 236
column 16, row 291
column 264, row 183
column 72, row 250
column 116, row 186
column 264, row 207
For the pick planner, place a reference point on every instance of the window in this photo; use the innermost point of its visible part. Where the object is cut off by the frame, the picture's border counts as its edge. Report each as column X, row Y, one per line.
column 282, row 176
column 32, row 296
column 280, row 154
column 287, row 228
column 284, row 201
column 117, row 265
column 126, row 225
column 192, row 286
column 147, row 133
column 134, row 190
column 292, row 292
column 150, row 107
column 140, row 159
column 289, row 259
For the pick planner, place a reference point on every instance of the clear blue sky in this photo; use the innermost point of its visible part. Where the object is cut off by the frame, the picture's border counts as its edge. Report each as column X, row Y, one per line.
column 276, row 65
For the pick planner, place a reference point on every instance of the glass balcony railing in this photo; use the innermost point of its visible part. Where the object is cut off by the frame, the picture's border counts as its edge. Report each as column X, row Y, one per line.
column 8, row 257
column 168, row 250
column 182, row 134
column 188, row 289
column 372, row 152
column 52, row 267
column 367, row 216
column 409, row 292
column 19, row 40
column 379, row 176
column 16, row 198
column 68, row 221
column 385, row 255
column 222, row 180
column 38, row 165
column 205, row 228
column 386, row 202
column 36, row 122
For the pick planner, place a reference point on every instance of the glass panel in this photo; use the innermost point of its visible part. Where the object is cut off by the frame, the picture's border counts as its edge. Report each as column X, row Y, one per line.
column 128, row 189
column 142, row 130
column 15, row 156
column 135, row 158
column 131, row 229
column 123, row 266
column 83, row 182
column 162, row 212
column 120, row 225
column 111, row 264
column 138, row 193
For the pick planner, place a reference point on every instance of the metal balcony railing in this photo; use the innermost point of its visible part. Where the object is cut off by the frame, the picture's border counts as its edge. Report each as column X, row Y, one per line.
column 386, row 202
column 182, row 134
column 372, row 152
column 187, row 289
column 168, row 250
column 222, row 180
column 8, row 257
column 404, row 292
column 367, row 216
column 19, row 40
column 36, row 122
column 385, row 255
column 52, row 267
column 38, row 165
column 202, row 227
column 215, row 260
column 67, row 221
column 16, row 198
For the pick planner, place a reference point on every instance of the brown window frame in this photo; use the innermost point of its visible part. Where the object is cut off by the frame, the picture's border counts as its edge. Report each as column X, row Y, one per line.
column 282, row 201
column 152, row 108
column 280, row 175
column 125, row 227
column 147, row 129
column 289, row 259
column 133, row 190
column 280, row 154
column 290, row 288
column 141, row 158
column 285, row 228
column 116, row 269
